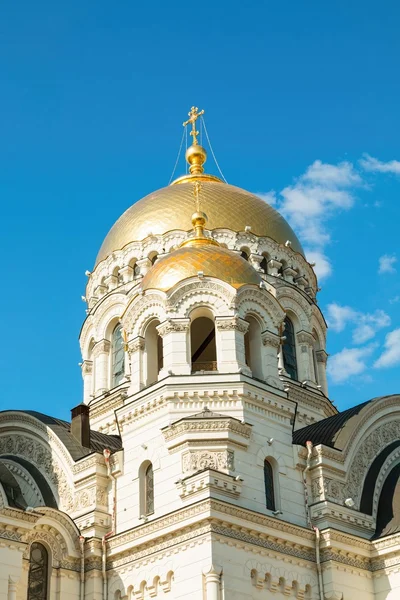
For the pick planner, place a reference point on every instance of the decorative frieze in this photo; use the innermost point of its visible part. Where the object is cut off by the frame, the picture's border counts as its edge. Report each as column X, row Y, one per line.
column 199, row 460
column 101, row 347
column 271, row 339
column 173, row 326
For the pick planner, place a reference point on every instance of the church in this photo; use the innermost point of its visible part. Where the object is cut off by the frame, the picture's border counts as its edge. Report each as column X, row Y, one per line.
column 205, row 459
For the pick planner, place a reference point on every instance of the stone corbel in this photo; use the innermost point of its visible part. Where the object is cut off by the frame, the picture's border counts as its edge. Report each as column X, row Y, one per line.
column 289, row 274
column 111, row 281
column 271, row 339
column 255, row 260
column 334, row 596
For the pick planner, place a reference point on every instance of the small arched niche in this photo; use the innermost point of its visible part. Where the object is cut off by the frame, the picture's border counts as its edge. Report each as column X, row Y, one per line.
column 154, row 355
column 202, row 341
column 253, row 346
column 245, row 252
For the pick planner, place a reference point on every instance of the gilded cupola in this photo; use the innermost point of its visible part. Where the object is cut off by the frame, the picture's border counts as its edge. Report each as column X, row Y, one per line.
column 170, row 208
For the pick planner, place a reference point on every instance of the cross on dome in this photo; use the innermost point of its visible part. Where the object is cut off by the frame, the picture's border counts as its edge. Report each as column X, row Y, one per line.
column 194, row 114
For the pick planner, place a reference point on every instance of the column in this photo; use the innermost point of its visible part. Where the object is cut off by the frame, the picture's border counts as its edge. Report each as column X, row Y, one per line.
column 176, row 347
column 87, row 374
column 305, row 360
column 289, row 274
column 101, row 355
column 144, row 265
column 230, row 345
column 111, row 281
column 322, row 359
column 255, row 260
column 273, row 267
column 212, row 577
column 271, row 345
column 136, row 355
column 12, row 588
column 126, row 273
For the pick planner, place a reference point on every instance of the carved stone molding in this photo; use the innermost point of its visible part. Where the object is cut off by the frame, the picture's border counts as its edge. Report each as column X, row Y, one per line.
column 198, row 460
column 136, row 344
column 188, row 289
column 322, row 356
column 280, row 579
column 87, row 367
column 101, row 347
column 304, row 337
column 210, row 425
column 232, row 324
column 172, row 326
column 271, row 339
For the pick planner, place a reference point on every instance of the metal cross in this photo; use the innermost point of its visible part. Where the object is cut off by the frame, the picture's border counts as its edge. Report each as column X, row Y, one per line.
column 193, row 116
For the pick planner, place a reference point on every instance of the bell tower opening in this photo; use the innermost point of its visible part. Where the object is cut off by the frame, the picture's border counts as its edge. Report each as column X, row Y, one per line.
column 203, row 344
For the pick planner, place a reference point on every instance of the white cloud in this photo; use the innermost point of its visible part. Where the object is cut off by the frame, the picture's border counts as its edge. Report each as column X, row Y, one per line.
column 312, row 200
column 365, row 325
column 268, row 197
column 394, row 300
column 348, row 362
column 391, row 354
column 386, row 263
column 369, row 163
column 338, row 316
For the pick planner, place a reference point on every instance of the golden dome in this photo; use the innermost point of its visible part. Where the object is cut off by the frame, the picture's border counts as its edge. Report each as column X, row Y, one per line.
column 211, row 260
column 170, row 208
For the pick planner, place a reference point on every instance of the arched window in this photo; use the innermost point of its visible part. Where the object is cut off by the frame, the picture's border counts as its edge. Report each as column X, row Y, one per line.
column 146, row 477
column 252, row 347
column 38, row 572
column 203, row 346
column 245, row 253
column 154, row 352
column 289, row 350
column 269, row 485
column 117, row 357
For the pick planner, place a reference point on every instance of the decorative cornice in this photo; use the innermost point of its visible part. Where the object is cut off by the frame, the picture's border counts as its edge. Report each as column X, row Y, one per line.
column 136, row 344
column 271, row 339
column 173, row 326
column 304, row 337
column 101, row 347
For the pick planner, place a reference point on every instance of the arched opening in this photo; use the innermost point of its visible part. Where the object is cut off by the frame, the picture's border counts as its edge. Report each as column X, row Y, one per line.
column 245, row 253
column 203, row 345
column 153, row 257
column 134, row 266
column 264, row 263
column 269, row 485
column 117, row 357
column 367, row 495
column 388, row 516
column 289, row 350
column 146, row 482
column 253, row 347
column 154, row 352
column 38, row 572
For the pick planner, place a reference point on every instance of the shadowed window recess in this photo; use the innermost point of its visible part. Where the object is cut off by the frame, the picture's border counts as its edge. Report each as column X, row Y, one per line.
column 118, row 357
column 289, row 350
column 204, row 350
column 149, row 490
column 38, row 572
column 269, row 485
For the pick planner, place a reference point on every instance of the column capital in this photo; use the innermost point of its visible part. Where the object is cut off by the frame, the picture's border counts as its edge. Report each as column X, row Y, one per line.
column 304, row 337
column 87, row 367
column 173, row 326
column 271, row 339
column 101, row 347
column 135, row 344
column 322, row 356
column 231, row 324
column 212, row 570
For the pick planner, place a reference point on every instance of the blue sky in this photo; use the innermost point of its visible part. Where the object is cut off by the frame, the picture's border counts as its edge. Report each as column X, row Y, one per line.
column 301, row 104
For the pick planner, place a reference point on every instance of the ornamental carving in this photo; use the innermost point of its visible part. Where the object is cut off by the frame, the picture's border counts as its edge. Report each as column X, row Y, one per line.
column 370, row 447
column 87, row 367
column 194, row 287
column 214, row 425
column 42, row 458
column 135, row 345
column 280, row 579
column 101, row 347
column 198, row 460
column 271, row 339
column 322, row 356
column 173, row 327
column 303, row 337
column 233, row 324
column 265, row 300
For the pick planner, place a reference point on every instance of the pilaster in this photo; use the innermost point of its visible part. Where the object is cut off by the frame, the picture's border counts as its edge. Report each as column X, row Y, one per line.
column 101, row 354
column 175, row 334
column 230, row 345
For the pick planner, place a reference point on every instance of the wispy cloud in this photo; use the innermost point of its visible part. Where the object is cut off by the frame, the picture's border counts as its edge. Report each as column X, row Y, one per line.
column 312, row 200
column 391, row 354
column 364, row 325
column 386, row 264
column 269, row 197
column 394, row 300
column 369, row 163
column 348, row 363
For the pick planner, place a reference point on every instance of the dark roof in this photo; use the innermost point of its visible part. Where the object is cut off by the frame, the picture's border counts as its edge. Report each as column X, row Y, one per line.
column 11, row 488
column 62, row 429
column 334, row 431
